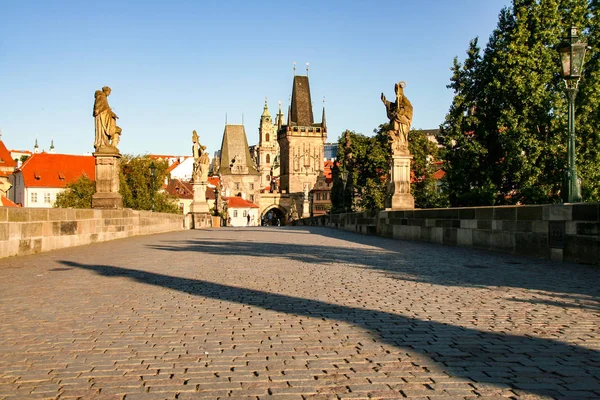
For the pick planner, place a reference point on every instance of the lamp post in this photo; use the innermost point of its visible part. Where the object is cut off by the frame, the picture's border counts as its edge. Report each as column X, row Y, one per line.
column 153, row 175
column 344, row 176
column 572, row 57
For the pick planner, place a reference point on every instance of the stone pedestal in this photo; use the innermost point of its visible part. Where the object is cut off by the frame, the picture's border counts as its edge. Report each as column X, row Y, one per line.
column 305, row 209
column 399, row 185
column 107, row 181
column 199, row 207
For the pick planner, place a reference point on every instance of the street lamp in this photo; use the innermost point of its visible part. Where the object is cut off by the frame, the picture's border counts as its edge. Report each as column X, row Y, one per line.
column 572, row 57
column 153, row 174
column 344, row 176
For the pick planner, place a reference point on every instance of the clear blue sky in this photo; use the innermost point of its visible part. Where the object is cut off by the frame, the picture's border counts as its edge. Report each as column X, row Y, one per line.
column 175, row 66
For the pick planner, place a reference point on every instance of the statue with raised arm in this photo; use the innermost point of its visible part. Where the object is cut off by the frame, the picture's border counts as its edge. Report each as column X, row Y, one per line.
column 400, row 114
column 107, row 131
column 201, row 160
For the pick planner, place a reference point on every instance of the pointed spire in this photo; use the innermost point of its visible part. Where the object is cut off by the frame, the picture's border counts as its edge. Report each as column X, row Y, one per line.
column 306, row 69
column 279, row 117
column 225, row 118
column 36, row 147
column 323, row 123
column 294, row 68
column 289, row 122
column 52, row 146
column 266, row 109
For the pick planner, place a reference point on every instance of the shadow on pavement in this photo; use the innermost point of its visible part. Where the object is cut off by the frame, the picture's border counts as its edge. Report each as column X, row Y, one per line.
column 533, row 365
column 561, row 285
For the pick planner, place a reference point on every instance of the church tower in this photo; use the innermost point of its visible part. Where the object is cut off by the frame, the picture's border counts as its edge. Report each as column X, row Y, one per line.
column 301, row 141
column 268, row 148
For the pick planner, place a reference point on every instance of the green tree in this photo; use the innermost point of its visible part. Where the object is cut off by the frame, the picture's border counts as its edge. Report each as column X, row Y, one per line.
column 139, row 189
column 424, row 186
column 506, row 131
column 77, row 194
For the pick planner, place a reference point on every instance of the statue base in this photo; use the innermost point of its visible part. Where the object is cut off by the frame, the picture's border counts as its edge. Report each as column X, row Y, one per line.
column 107, row 180
column 305, row 209
column 399, row 186
column 201, row 220
column 107, row 200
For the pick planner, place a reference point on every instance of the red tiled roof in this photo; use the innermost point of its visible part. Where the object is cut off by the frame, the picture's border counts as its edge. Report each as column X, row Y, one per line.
column 7, row 202
column 6, row 159
column 238, row 202
column 213, row 180
column 182, row 190
column 56, row 170
column 439, row 174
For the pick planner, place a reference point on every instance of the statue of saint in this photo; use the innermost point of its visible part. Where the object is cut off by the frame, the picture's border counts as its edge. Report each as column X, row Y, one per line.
column 201, row 160
column 195, row 145
column 107, row 131
column 400, row 114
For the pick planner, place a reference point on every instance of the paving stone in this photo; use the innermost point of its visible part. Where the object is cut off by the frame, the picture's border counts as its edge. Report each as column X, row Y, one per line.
column 295, row 313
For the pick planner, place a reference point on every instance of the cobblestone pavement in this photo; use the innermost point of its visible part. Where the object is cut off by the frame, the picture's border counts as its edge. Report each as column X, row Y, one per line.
column 295, row 313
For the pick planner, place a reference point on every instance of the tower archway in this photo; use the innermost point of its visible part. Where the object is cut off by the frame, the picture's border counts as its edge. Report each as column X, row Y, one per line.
column 274, row 215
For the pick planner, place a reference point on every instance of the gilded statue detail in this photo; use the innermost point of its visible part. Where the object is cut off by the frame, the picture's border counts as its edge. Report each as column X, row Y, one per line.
column 201, row 160
column 107, row 132
column 400, row 114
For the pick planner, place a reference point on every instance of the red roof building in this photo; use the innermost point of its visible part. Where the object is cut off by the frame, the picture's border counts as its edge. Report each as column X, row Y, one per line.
column 42, row 176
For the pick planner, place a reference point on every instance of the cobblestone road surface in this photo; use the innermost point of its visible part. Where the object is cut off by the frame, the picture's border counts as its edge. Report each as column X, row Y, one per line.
column 295, row 313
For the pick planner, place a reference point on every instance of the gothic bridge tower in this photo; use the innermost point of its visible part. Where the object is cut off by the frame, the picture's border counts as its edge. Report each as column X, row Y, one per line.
column 301, row 141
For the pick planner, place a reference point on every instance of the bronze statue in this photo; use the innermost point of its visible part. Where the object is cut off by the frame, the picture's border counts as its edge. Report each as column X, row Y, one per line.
column 107, row 131
column 400, row 114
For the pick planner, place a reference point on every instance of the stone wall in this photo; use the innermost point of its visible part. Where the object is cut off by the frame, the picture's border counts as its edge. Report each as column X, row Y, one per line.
column 32, row 230
column 569, row 232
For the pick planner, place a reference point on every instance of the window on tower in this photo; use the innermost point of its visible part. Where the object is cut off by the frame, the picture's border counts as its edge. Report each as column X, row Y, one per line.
column 268, row 159
column 267, row 137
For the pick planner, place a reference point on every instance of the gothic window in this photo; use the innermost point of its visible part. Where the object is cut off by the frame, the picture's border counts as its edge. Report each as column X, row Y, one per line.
column 237, row 186
column 267, row 138
column 268, row 158
column 252, row 186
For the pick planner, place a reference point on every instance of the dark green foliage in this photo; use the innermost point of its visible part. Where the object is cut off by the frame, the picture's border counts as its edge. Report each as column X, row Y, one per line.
column 138, row 187
column 505, row 134
column 77, row 194
column 424, row 188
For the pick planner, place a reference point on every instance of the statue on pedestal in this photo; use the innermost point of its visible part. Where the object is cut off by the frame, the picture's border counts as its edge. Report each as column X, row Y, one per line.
column 400, row 114
column 107, row 131
column 201, row 160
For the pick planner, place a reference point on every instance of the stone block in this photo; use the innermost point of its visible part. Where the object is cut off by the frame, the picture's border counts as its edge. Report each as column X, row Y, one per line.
column 4, row 231
column 57, row 214
column 588, row 228
column 64, row 228
column 32, row 229
column 468, row 223
column 556, row 255
column 571, row 228
column 39, row 214
column 497, row 225
column 586, row 212
column 558, row 212
column 530, row 213
column 522, row 226
column 84, row 214
column 539, row 226
column 484, row 224
column 505, row 213
column 582, row 249
column 482, row 239
column 14, row 231
column 466, row 213
column 484, row 213
column 531, row 244
column 464, row 237
column 450, row 236
column 18, row 214
column 3, row 214
column 503, row 241
column 437, row 235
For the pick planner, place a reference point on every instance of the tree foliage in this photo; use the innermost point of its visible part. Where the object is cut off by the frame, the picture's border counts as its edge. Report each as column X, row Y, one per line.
column 505, row 134
column 367, row 161
column 137, row 187
column 77, row 194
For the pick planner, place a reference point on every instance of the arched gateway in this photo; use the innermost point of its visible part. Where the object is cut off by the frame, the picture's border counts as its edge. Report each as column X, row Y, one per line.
column 274, row 215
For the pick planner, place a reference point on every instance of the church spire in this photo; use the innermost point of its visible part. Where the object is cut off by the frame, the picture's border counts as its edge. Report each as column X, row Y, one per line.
column 279, row 117
column 323, row 123
column 266, row 109
column 52, row 146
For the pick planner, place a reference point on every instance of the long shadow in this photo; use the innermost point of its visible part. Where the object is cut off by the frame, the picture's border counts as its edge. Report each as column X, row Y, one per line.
column 533, row 365
column 564, row 285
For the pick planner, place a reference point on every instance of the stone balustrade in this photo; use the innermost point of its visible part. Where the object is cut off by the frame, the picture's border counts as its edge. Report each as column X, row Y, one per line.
column 569, row 232
column 33, row 230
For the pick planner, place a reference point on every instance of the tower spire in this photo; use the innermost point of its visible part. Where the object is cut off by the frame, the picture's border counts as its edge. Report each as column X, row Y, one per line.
column 323, row 123
column 294, row 68
column 306, row 69
column 266, row 109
